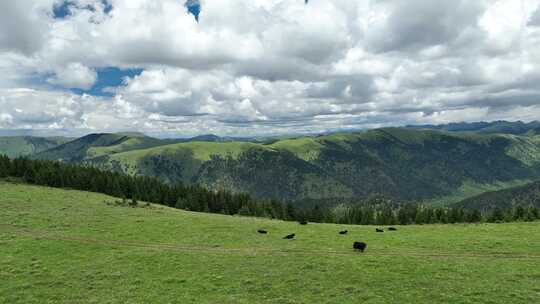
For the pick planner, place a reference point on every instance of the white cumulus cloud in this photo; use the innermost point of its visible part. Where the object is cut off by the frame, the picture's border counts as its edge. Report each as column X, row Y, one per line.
column 268, row 66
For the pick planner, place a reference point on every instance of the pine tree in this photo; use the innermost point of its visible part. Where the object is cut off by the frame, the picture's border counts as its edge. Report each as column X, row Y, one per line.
column 534, row 213
column 316, row 215
column 519, row 213
column 291, row 211
column 133, row 203
column 497, row 215
column 474, row 216
column 244, row 211
column 403, row 217
column 419, row 219
column 181, row 203
column 368, row 216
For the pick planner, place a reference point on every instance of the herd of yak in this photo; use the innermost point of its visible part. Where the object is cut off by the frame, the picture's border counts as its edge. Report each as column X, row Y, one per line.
column 361, row 246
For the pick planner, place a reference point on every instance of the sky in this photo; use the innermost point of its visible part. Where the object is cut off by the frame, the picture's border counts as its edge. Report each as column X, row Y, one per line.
column 265, row 67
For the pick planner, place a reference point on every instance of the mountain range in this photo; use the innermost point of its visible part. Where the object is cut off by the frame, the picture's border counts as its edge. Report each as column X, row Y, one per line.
column 432, row 164
column 496, row 127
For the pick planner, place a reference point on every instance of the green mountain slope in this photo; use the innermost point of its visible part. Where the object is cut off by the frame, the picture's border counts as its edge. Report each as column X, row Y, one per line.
column 399, row 163
column 15, row 146
column 65, row 246
column 96, row 145
column 174, row 162
column 524, row 196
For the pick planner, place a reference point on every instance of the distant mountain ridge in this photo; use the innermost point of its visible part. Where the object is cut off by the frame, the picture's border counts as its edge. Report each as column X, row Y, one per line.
column 496, row 127
column 14, row 146
column 94, row 145
column 102, row 144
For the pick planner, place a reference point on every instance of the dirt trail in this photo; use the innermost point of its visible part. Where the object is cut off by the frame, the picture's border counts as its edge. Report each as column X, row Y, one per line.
column 47, row 235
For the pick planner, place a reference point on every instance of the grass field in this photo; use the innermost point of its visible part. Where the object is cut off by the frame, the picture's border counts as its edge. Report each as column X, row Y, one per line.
column 59, row 246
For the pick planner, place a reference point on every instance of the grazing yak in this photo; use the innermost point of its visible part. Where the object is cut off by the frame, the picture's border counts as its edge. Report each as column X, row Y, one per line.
column 379, row 230
column 303, row 222
column 359, row 246
column 343, row 232
column 392, row 229
column 262, row 231
column 289, row 237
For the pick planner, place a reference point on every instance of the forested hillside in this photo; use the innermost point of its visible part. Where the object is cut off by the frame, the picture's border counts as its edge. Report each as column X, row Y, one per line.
column 524, row 196
column 376, row 210
column 401, row 164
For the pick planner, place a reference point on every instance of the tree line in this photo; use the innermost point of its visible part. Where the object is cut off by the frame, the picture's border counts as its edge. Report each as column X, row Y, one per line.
column 139, row 188
column 385, row 212
column 373, row 211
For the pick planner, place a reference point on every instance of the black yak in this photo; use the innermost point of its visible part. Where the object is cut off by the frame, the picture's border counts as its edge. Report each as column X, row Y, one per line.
column 303, row 222
column 359, row 246
column 262, row 231
column 379, row 230
column 289, row 237
column 392, row 229
column 343, row 232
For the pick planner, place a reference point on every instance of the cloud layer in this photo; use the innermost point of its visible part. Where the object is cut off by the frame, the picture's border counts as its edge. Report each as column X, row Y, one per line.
column 267, row 66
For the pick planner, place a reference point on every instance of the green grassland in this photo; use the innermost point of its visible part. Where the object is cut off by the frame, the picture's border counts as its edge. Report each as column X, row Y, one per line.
column 62, row 246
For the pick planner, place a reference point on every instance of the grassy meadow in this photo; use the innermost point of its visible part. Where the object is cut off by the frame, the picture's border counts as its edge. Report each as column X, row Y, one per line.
column 64, row 246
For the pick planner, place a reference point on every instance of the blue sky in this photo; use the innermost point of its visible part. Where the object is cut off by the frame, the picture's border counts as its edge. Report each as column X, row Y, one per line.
column 194, row 8
column 109, row 78
column 63, row 10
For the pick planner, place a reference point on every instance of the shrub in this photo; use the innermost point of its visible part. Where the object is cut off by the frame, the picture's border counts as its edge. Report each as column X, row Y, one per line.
column 133, row 203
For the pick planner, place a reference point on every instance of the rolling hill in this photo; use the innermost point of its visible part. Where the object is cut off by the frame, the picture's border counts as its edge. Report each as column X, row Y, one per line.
column 399, row 163
column 15, row 146
column 96, row 145
column 526, row 195
column 65, row 246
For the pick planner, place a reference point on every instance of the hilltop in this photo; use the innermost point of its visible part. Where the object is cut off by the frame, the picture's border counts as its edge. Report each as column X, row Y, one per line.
column 95, row 145
column 78, row 247
column 101, row 144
